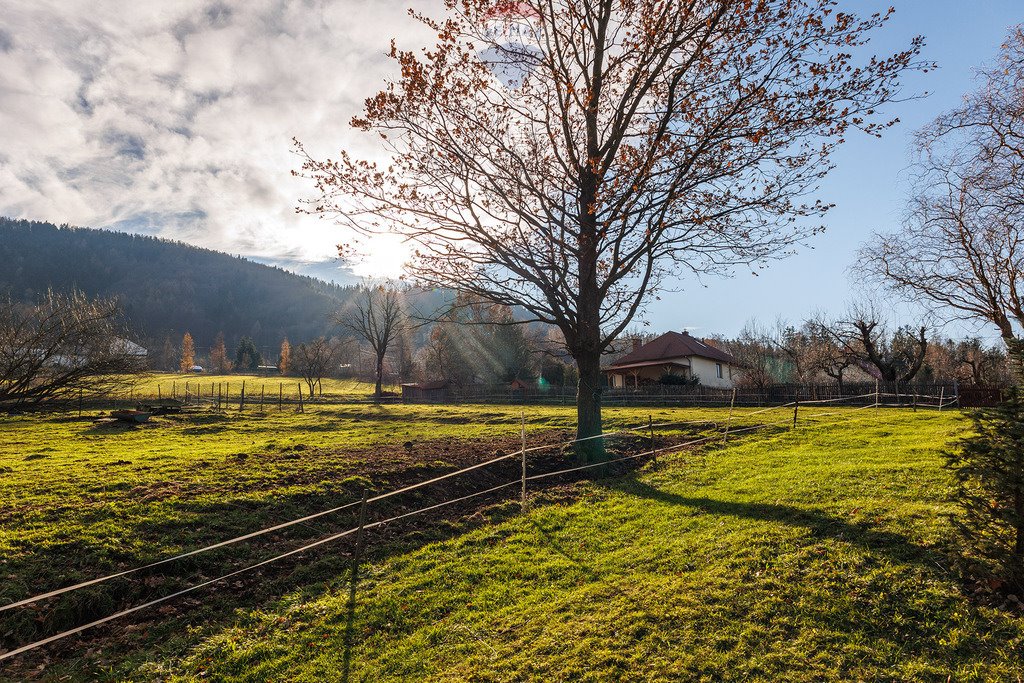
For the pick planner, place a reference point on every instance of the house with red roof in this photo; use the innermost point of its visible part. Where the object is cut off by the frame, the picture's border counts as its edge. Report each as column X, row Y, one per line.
column 674, row 353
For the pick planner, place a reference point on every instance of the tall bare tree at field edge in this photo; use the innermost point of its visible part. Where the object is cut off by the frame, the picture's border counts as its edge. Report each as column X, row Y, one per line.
column 961, row 247
column 567, row 156
column 376, row 317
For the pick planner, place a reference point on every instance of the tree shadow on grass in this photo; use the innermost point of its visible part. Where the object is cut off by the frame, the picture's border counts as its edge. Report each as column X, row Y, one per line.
column 821, row 525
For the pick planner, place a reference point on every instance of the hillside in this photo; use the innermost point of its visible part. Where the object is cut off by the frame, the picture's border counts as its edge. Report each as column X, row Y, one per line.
column 166, row 288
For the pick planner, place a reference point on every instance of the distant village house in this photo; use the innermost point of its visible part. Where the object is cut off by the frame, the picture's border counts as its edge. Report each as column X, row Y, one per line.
column 678, row 354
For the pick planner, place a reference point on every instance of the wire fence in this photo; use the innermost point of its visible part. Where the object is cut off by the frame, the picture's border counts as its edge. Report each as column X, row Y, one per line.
column 712, row 431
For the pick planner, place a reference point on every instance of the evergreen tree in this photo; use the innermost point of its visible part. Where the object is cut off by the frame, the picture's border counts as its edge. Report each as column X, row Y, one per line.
column 247, row 356
column 989, row 471
column 188, row 353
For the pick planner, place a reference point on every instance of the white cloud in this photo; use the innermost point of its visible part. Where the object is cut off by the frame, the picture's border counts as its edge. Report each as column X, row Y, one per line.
column 175, row 118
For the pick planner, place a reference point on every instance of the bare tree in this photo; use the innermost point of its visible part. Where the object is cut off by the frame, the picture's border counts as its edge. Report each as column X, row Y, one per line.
column 315, row 360
column 376, row 317
column 756, row 352
column 895, row 352
column 64, row 346
column 830, row 355
column 961, row 247
column 609, row 145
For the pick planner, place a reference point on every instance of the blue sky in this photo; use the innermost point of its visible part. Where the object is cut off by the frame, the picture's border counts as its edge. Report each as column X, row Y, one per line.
column 868, row 185
column 175, row 118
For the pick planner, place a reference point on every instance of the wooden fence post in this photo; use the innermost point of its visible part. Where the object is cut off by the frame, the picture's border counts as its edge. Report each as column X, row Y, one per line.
column 650, row 437
column 301, row 409
column 876, row 395
column 522, row 432
column 241, row 399
column 280, row 395
column 942, row 395
column 262, row 388
column 728, row 422
column 158, row 396
column 796, row 409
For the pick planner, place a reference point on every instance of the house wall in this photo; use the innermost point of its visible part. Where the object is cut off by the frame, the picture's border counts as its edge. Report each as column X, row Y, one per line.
column 705, row 368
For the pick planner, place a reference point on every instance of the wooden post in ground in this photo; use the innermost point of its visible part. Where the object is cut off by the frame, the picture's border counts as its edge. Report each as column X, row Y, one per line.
column 262, row 388
column 650, row 437
column 241, row 399
column 796, row 409
column 220, row 394
column 876, row 395
column 301, row 409
column 280, row 395
column 728, row 421
column 354, row 579
column 522, row 433
column 158, row 396
column 186, row 392
column 942, row 395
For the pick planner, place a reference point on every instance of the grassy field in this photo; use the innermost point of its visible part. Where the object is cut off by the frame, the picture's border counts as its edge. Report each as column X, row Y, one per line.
column 168, row 384
column 819, row 554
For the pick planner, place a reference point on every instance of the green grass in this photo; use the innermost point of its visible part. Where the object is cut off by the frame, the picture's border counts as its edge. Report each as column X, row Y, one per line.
column 164, row 384
column 816, row 555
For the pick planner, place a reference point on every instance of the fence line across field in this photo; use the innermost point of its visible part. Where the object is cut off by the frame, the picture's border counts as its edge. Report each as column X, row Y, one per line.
column 334, row 537
column 519, row 453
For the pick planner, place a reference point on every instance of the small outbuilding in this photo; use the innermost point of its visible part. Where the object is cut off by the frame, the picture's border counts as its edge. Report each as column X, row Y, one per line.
column 425, row 392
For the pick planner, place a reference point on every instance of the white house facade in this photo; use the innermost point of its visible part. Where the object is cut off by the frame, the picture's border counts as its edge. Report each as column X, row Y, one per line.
column 674, row 353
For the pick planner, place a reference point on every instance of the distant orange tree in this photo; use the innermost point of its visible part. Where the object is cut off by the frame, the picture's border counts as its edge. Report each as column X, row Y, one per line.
column 219, row 360
column 283, row 363
column 188, row 353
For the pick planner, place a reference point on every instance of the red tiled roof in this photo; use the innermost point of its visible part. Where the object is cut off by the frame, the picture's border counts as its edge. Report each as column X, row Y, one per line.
column 673, row 345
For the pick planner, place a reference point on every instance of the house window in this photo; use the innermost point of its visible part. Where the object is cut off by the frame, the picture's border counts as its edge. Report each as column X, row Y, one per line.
column 718, row 370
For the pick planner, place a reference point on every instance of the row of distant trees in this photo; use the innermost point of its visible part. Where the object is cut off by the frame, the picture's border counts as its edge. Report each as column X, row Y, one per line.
column 381, row 339
column 862, row 346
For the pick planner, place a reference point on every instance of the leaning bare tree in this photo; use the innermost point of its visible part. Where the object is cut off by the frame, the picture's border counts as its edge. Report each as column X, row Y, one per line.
column 62, row 347
column 568, row 156
column 961, row 247
column 376, row 317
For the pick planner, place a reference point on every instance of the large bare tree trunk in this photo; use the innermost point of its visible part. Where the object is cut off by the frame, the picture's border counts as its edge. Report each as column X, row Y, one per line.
column 588, row 406
column 380, row 375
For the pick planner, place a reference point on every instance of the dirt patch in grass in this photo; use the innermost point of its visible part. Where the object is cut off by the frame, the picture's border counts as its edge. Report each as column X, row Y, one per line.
column 279, row 484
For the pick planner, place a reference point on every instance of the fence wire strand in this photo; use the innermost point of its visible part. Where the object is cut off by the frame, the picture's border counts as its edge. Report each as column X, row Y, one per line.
column 334, row 537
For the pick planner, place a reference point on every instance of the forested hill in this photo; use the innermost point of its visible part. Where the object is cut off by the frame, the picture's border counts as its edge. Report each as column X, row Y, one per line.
column 166, row 288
